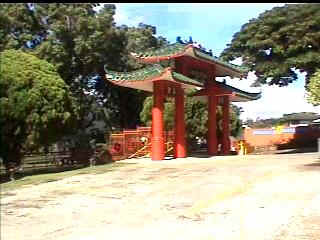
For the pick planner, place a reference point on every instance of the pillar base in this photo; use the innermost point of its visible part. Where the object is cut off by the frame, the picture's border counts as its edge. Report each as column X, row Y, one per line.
column 157, row 149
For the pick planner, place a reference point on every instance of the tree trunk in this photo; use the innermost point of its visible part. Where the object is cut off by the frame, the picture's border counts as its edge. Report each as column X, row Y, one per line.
column 12, row 162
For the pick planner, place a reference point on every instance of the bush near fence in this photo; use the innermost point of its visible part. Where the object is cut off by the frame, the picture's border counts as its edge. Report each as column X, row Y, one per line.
column 51, row 161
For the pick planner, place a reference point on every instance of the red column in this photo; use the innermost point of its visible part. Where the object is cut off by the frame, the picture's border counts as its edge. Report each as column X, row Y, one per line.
column 157, row 147
column 225, row 125
column 180, row 140
column 212, row 125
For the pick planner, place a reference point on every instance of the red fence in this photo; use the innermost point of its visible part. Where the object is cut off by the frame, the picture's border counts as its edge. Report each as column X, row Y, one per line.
column 122, row 145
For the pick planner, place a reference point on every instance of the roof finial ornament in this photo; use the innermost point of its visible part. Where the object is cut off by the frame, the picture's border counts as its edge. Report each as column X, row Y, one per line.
column 179, row 40
column 195, row 44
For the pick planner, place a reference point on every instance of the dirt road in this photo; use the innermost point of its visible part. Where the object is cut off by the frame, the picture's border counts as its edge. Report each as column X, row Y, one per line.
column 271, row 197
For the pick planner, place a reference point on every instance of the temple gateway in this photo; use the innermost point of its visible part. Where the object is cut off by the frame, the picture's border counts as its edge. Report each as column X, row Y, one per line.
column 169, row 71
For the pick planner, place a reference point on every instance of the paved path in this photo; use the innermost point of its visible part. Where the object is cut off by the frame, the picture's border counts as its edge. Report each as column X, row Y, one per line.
column 271, row 197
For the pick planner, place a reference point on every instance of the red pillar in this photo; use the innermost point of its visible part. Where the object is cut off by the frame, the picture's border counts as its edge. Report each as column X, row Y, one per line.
column 212, row 125
column 157, row 147
column 180, row 140
column 225, row 125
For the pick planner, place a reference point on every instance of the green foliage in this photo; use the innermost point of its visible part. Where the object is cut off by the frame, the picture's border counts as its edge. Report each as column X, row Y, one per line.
column 36, row 107
column 196, row 117
column 278, row 40
column 264, row 123
column 81, row 42
column 168, row 115
column 314, row 89
column 236, row 123
column 300, row 116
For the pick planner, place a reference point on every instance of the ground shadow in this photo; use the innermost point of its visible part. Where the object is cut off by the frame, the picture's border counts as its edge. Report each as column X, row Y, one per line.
column 203, row 153
column 37, row 171
column 305, row 140
column 199, row 155
column 315, row 166
column 297, row 150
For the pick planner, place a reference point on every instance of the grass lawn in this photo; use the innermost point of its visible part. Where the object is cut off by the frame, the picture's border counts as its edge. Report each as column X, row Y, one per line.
column 50, row 177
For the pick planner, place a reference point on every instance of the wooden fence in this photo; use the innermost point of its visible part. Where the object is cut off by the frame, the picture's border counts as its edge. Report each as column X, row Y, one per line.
column 52, row 160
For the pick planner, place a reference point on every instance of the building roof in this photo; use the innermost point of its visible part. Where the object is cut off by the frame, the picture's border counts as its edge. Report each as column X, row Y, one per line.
column 302, row 116
column 221, row 89
column 143, row 79
column 176, row 50
column 240, row 95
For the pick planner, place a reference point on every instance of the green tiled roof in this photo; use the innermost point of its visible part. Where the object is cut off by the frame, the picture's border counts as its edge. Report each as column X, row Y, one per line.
column 181, row 78
column 156, row 70
column 176, row 48
column 164, row 51
column 148, row 72
column 140, row 74
column 219, row 61
column 241, row 93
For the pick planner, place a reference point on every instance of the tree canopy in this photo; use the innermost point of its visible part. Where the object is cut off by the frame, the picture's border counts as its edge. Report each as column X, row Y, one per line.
column 36, row 107
column 79, row 41
column 314, row 89
column 279, row 41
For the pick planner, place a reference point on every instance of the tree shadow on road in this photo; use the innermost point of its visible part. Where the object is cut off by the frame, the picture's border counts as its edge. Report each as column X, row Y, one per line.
column 297, row 150
column 199, row 155
column 315, row 166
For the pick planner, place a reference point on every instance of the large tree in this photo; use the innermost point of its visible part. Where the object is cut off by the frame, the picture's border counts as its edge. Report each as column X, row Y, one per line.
column 79, row 41
column 36, row 107
column 279, row 41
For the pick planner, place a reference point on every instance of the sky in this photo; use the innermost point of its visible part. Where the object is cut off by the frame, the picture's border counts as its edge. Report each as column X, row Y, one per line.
column 213, row 25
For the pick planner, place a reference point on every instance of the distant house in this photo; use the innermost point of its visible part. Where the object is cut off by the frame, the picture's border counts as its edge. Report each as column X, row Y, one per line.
column 300, row 119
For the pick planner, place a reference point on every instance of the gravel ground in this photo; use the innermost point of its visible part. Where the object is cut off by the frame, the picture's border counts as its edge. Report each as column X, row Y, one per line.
column 270, row 197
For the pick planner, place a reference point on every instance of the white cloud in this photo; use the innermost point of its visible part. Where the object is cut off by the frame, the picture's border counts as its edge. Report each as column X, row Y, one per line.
column 122, row 17
column 275, row 101
column 190, row 7
column 237, row 61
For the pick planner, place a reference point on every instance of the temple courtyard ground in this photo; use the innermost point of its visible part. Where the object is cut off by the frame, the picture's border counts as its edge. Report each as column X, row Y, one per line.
column 274, row 197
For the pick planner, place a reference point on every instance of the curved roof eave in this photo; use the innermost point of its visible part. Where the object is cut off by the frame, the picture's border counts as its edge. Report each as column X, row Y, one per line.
column 239, row 92
column 143, row 78
column 237, row 95
column 177, row 50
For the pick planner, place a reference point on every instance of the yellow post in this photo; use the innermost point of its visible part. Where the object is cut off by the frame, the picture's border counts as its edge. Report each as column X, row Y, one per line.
column 243, row 149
